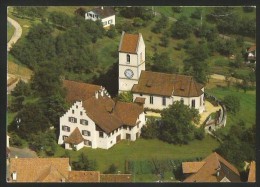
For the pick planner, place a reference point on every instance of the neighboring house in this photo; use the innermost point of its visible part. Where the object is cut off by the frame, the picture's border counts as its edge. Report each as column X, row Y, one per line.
column 39, row 169
column 251, row 174
column 105, row 14
column 95, row 120
column 214, row 168
column 157, row 90
column 56, row 170
column 251, row 54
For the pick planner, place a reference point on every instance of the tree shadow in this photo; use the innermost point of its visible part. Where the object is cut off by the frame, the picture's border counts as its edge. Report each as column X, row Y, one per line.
column 109, row 80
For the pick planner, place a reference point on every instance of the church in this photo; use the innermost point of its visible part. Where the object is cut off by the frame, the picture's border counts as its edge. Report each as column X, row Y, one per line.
column 154, row 89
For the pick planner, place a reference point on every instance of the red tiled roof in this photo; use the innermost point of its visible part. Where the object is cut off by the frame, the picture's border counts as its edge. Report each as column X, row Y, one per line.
column 129, row 43
column 156, row 83
column 40, row 169
column 84, row 176
column 207, row 173
column 128, row 112
column 75, row 137
column 115, row 178
column 191, row 167
column 252, row 48
column 251, row 174
column 79, row 91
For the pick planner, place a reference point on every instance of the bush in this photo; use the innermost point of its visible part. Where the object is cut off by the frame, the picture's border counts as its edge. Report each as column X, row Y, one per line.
column 232, row 103
column 16, row 141
column 150, row 130
column 111, row 170
column 177, row 9
column 199, row 134
column 138, row 22
column 111, row 33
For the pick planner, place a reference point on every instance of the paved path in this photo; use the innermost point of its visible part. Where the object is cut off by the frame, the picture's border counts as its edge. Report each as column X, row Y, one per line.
column 17, row 33
column 22, row 153
column 222, row 78
column 209, row 108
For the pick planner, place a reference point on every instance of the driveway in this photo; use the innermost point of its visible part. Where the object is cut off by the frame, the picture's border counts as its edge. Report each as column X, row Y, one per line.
column 17, row 33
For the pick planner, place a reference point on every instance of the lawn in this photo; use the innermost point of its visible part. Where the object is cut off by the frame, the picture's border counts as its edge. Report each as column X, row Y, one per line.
column 247, row 105
column 144, row 150
column 10, row 31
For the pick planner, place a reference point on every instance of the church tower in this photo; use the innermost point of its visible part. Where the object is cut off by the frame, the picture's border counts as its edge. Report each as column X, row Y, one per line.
column 131, row 60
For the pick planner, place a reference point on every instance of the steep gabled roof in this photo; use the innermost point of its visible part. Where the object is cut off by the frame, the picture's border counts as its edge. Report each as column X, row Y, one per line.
column 104, row 12
column 100, row 110
column 128, row 112
column 208, row 172
column 251, row 174
column 84, row 176
column 40, row 169
column 79, row 91
column 163, row 84
column 75, row 137
column 129, row 43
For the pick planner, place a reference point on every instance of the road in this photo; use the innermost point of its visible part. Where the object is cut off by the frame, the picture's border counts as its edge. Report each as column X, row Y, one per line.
column 17, row 33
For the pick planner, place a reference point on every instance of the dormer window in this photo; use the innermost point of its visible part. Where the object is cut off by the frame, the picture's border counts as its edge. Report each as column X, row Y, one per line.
column 128, row 59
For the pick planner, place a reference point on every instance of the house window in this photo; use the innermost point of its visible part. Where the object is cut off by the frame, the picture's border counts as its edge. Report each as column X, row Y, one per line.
column 125, row 127
column 76, row 106
column 87, row 142
column 141, row 94
column 64, row 137
column 66, row 128
column 81, row 113
column 104, row 23
column 130, row 128
column 182, row 101
column 101, row 134
column 193, row 103
column 110, row 21
column 83, row 122
column 164, row 101
column 85, row 133
column 72, row 120
column 128, row 59
column 151, row 99
column 72, row 111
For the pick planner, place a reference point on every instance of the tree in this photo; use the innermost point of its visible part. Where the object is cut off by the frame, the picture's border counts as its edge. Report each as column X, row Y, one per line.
column 30, row 120
column 111, row 33
column 162, row 23
column 163, row 63
column 196, row 64
column 47, row 79
column 53, row 108
column 142, row 12
column 20, row 89
column 181, row 29
column 239, row 144
column 125, row 97
column 177, row 9
column 111, row 170
column 151, row 130
column 196, row 14
column 17, row 104
column 177, row 123
column 84, row 163
column 138, row 22
column 232, row 103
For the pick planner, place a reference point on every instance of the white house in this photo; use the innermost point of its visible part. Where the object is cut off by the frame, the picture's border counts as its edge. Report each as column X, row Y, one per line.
column 105, row 14
column 95, row 120
column 156, row 90
column 251, row 52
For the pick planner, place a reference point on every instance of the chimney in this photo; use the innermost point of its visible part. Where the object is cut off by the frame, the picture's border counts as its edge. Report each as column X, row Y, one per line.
column 14, row 176
column 96, row 95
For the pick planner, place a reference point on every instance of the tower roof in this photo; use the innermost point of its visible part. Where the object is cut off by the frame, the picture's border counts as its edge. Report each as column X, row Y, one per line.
column 129, row 42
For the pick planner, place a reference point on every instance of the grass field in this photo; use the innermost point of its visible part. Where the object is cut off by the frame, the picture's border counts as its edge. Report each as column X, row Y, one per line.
column 144, row 150
column 247, row 105
column 10, row 31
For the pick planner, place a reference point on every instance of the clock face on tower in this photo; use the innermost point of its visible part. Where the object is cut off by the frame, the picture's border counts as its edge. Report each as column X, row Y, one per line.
column 129, row 73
